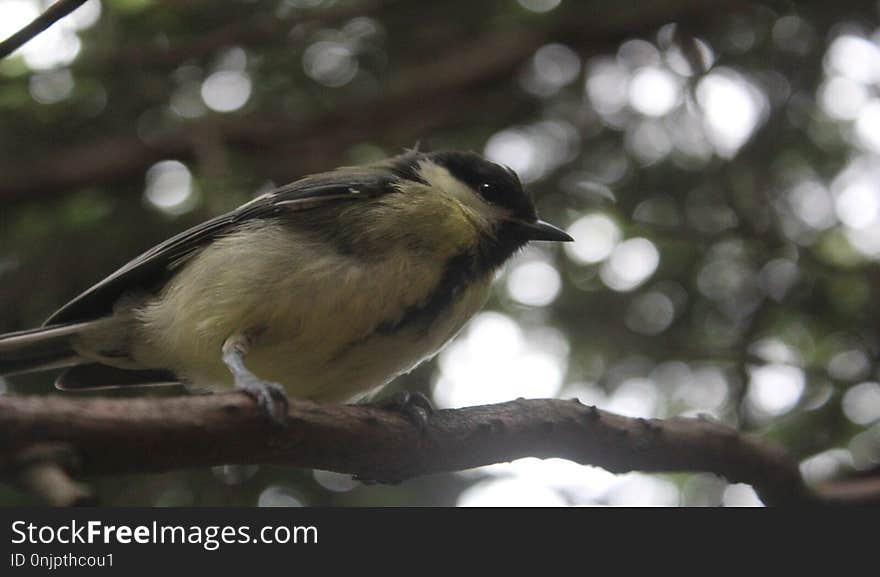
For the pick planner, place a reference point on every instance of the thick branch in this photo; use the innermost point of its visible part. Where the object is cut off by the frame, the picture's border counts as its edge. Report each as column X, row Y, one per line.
column 53, row 14
column 150, row 434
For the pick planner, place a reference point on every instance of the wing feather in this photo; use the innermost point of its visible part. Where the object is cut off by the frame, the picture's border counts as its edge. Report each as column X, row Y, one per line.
column 153, row 267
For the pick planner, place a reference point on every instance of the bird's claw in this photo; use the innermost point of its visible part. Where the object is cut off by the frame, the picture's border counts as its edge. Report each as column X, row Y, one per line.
column 415, row 406
column 269, row 396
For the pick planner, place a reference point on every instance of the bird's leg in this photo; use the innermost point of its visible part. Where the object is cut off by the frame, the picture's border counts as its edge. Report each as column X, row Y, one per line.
column 269, row 396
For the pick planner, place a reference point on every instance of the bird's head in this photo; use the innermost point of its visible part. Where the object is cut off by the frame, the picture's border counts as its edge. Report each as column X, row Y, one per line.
column 490, row 191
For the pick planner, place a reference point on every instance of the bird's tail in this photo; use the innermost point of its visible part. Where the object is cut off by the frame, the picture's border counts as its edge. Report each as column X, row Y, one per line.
column 41, row 349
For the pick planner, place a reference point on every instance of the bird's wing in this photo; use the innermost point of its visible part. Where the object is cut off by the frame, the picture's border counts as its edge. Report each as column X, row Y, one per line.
column 97, row 376
column 153, row 267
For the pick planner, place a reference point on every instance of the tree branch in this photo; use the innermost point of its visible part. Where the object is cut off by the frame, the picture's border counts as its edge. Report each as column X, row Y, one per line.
column 53, row 14
column 160, row 434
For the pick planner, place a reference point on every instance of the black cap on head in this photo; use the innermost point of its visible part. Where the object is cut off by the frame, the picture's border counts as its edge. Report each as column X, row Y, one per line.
column 497, row 184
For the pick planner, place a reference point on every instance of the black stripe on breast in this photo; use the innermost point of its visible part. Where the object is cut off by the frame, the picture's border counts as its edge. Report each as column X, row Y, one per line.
column 460, row 270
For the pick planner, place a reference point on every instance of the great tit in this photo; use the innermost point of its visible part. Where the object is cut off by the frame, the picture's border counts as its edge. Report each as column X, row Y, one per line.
column 324, row 289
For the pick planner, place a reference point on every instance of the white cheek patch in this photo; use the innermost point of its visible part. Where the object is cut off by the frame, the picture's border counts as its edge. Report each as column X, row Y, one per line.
column 438, row 177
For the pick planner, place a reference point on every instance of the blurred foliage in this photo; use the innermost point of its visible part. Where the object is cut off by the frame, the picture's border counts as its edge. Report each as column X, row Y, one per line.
column 716, row 161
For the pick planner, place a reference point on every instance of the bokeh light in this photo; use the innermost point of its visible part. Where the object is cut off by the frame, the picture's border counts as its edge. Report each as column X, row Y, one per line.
column 843, row 98
column 494, row 360
column 539, row 6
column 654, row 91
column 533, row 151
column 595, row 237
column 607, row 86
column 733, row 108
column 52, row 86
column 854, row 57
column 509, row 492
column 533, row 283
column 169, row 187
column 650, row 313
column 279, row 496
column 553, row 67
column 330, row 63
column 226, row 90
column 336, row 482
column 826, row 465
column 640, row 490
column 636, row 397
column 740, row 495
column 630, row 264
column 861, row 403
column 775, row 389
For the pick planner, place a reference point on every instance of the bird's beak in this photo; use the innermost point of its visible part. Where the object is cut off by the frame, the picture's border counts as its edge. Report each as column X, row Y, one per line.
column 540, row 230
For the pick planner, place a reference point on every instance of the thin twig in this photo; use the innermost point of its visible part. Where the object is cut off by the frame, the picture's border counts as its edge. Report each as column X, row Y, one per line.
column 53, row 14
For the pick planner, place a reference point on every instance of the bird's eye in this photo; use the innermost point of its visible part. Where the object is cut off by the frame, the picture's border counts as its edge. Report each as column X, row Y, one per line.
column 491, row 193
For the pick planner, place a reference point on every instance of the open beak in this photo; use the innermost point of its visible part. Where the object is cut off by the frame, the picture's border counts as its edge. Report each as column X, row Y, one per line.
column 540, row 230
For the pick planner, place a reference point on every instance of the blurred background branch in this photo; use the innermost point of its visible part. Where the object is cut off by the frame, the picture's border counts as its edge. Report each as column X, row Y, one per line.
column 447, row 90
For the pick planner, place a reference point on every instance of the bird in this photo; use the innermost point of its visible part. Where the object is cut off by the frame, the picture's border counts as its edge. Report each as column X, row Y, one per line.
column 324, row 289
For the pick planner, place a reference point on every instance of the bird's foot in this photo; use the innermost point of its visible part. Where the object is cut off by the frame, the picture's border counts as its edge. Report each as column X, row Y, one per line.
column 415, row 406
column 269, row 396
